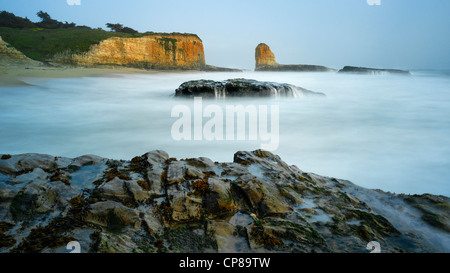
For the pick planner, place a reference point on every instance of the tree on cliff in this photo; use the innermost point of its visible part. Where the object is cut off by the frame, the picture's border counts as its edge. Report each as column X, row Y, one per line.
column 44, row 16
column 8, row 19
column 48, row 22
column 120, row 28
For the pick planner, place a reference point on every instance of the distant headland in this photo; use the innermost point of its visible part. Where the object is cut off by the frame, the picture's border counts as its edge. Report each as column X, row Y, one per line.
column 53, row 42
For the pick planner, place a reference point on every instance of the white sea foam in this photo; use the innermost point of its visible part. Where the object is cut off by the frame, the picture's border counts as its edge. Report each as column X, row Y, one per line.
column 379, row 131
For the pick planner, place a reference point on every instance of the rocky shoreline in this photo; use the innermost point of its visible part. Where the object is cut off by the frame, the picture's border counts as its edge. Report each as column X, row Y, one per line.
column 155, row 203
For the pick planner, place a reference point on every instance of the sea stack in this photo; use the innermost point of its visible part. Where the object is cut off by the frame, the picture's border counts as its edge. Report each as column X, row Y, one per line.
column 264, row 56
column 265, row 61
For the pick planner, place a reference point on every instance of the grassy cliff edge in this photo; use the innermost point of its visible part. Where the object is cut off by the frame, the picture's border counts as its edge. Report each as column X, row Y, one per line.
column 43, row 44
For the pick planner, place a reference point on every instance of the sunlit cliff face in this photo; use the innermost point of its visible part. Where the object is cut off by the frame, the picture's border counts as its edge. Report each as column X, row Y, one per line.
column 155, row 51
column 264, row 56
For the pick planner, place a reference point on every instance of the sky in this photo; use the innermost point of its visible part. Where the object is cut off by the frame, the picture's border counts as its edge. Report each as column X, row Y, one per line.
column 403, row 34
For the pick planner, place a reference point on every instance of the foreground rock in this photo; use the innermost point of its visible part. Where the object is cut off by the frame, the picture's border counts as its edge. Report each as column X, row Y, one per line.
column 240, row 88
column 365, row 70
column 265, row 61
column 154, row 203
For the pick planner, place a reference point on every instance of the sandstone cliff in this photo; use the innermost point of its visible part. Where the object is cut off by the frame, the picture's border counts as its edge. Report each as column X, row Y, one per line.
column 10, row 56
column 265, row 61
column 149, row 52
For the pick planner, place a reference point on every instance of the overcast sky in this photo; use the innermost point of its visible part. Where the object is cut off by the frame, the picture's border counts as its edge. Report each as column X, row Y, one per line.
column 408, row 34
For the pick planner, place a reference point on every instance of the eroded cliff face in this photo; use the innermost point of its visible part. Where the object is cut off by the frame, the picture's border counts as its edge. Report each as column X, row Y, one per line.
column 264, row 56
column 10, row 55
column 151, row 52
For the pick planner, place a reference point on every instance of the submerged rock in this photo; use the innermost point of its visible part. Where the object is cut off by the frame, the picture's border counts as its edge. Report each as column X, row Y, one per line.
column 365, row 70
column 212, row 68
column 240, row 88
column 295, row 67
column 154, row 203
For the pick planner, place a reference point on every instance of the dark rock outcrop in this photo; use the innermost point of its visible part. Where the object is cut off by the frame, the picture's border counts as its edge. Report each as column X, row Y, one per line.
column 365, row 70
column 265, row 61
column 295, row 67
column 212, row 68
column 154, row 203
column 239, row 88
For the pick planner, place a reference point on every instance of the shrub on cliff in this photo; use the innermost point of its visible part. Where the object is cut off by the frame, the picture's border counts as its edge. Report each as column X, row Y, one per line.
column 8, row 19
column 120, row 28
column 44, row 40
column 48, row 22
column 43, row 44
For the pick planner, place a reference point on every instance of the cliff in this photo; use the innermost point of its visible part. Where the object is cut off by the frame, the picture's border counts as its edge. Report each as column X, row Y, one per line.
column 149, row 52
column 9, row 55
column 265, row 61
column 154, row 203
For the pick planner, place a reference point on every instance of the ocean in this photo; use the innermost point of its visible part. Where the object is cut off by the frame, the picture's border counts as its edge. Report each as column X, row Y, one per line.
column 384, row 131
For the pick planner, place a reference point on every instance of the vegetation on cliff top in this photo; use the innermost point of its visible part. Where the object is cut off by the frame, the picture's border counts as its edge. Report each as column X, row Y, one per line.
column 41, row 41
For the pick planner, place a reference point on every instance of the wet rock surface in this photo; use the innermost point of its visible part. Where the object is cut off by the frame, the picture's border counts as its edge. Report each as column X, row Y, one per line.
column 294, row 67
column 154, row 203
column 365, row 70
column 240, row 88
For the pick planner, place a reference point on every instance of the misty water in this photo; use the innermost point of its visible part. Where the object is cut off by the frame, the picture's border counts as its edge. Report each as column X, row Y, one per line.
column 389, row 132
